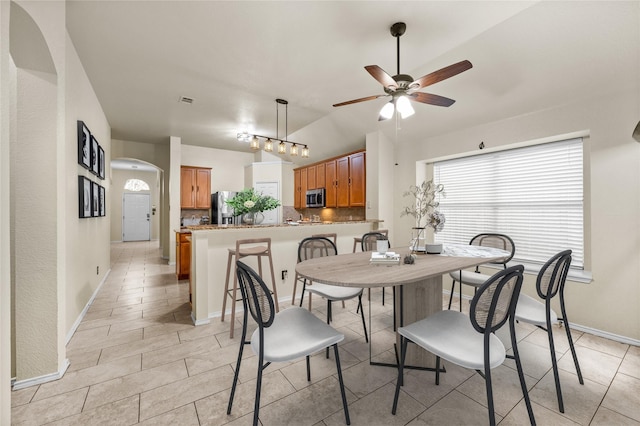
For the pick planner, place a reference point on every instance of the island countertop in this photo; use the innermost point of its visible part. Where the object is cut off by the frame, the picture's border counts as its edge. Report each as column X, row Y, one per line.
column 279, row 225
column 210, row 245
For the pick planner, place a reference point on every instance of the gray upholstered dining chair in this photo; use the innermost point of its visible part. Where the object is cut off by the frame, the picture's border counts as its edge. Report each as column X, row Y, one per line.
column 285, row 336
column 313, row 247
column 469, row 340
column 475, row 278
column 549, row 283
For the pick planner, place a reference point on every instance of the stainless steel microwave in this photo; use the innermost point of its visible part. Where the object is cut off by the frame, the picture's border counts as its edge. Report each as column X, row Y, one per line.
column 315, row 197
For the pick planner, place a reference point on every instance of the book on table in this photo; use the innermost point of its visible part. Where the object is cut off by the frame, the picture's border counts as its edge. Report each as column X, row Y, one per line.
column 388, row 258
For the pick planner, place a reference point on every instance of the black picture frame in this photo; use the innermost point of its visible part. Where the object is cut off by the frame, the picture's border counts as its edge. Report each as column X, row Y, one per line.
column 101, row 172
column 84, row 145
column 84, row 197
column 102, row 200
column 95, row 200
column 94, row 155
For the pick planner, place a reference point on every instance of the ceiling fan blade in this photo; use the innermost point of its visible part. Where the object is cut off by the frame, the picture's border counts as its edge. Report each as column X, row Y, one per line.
column 431, row 99
column 382, row 76
column 355, row 101
column 442, row 74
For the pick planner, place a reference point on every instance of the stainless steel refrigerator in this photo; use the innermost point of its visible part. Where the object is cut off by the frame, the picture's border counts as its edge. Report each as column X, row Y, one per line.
column 221, row 213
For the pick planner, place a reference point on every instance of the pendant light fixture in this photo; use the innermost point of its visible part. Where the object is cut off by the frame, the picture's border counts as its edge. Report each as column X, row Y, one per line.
column 254, row 141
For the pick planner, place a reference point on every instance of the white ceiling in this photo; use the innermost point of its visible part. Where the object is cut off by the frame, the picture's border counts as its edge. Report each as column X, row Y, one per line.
column 235, row 58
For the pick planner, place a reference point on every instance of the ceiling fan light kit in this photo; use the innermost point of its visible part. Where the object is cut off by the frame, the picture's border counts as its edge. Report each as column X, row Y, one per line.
column 403, row 88
column 254, row 140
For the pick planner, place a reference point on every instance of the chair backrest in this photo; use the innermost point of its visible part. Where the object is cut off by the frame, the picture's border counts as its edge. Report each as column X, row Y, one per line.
column 256, row 296
column 553, row 275
column 370, row 241
column 332, row 236
column 499, row 241
column 312, row 247
column 495, row 301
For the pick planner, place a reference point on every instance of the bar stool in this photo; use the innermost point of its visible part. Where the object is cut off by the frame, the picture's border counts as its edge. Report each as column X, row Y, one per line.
column 331, row 236
column 250, row 249
column 357, row 241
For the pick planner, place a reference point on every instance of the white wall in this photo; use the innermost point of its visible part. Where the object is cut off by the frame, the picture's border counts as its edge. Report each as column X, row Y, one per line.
column 612, row 201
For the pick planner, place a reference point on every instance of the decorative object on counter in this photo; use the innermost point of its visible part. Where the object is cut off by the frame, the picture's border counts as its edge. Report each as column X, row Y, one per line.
column 410, row 259
column 424, row 209
column 250, row 205
column 254, row 141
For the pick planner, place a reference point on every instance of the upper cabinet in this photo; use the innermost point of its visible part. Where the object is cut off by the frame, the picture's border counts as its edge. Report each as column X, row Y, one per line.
column 195, row 187
column 344, row 180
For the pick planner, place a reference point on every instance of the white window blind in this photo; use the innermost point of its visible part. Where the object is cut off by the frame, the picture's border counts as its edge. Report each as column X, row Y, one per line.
column 534, row 195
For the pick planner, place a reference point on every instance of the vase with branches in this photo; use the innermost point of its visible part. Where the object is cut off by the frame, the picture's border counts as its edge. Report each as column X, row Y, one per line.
column 424, row 209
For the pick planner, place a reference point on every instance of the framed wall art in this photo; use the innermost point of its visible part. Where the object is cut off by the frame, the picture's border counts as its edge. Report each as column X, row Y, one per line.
column 84, row 197
column 95, row 199
column 94, row 155
column 103, row 207
column 100, row 162
column 84, row 145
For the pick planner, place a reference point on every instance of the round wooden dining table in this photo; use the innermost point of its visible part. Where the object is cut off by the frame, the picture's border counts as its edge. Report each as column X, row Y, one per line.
column 417, row 286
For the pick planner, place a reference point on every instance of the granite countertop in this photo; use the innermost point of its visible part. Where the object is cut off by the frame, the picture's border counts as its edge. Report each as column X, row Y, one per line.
column 281, row 225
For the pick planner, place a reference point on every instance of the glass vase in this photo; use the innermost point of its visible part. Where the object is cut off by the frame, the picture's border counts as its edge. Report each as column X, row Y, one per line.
column 252, row 218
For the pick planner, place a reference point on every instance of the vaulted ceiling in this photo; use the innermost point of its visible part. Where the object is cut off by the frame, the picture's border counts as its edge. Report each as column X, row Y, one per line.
column 234, row 58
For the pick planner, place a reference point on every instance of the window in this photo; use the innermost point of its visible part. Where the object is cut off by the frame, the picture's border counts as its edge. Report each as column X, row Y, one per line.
column 136, row 185
column 532, row 194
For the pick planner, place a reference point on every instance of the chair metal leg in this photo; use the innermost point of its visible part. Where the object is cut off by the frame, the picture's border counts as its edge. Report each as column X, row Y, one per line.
column 399, row 382
column 453, row 287
column 304, row 287
column 308, row 369
column 487, row 380
column 554, row 362
column 437, row 370
column 328, row 321
column 523, row 383
column 364, row 324
column 256, row 407
column 565, row 322
column 344, row 396
column 237, row 372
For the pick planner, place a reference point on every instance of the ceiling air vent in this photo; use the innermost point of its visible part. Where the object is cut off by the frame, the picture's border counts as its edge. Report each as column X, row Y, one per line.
column 186, row 100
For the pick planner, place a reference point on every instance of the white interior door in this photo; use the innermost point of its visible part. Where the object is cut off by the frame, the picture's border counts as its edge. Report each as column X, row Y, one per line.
column 136, row 222
column 271, row 217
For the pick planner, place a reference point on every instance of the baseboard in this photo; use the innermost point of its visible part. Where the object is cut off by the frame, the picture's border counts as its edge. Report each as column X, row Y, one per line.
column 21, row 384
column 200, row 322
column 585, row 329
column 76, row 324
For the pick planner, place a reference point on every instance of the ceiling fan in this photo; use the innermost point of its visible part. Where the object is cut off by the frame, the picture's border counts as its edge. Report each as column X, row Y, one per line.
column 403, row 88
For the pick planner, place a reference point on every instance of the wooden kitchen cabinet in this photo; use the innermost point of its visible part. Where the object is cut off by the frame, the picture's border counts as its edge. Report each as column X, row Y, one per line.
column 195, row 187
column 342, row 185
column 357, row 180
column 183, row 255
column 344, row 180
column 330, row 184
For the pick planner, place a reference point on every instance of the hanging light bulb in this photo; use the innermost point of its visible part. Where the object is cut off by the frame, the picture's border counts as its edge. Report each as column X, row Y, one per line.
column 294, row 150
column 305, row 152
column 282, row 148
column 255, row 143
column 387, row 111
column 268, row 145
column 403, row 105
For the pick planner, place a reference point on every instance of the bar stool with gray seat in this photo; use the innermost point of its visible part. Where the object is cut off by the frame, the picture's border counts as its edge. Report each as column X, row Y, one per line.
column 551, row 280
column 259, row 247
column 475, row 278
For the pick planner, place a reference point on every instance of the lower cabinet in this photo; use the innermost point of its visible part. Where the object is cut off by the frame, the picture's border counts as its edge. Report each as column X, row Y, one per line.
column 183, row 255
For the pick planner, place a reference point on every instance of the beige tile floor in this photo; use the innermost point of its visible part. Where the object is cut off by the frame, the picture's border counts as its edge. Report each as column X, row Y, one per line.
column 137, row 358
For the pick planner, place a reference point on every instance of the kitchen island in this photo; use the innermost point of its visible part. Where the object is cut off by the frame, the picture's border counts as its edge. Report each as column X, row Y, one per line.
column 209, row 254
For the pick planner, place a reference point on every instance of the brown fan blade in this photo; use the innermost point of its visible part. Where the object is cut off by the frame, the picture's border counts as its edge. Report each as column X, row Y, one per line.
column 428, row 98
column 355, row 101
column 382, row 76
column 442, row 74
